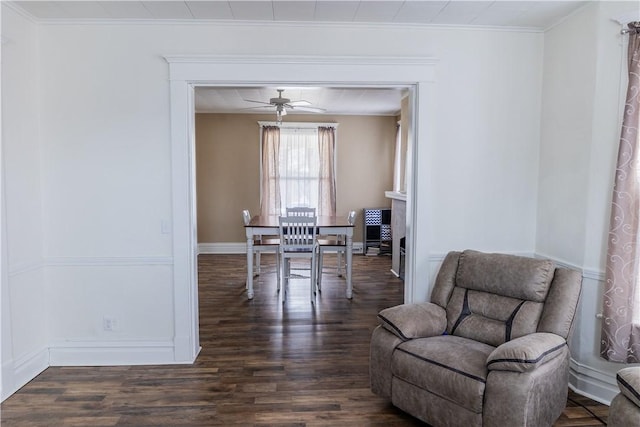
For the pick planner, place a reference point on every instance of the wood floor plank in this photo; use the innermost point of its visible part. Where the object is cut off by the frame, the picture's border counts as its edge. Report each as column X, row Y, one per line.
column 263, row 363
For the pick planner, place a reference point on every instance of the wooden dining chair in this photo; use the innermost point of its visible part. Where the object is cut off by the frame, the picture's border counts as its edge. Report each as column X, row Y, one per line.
column 333, row 243
column 298, row 241
column 262, row 244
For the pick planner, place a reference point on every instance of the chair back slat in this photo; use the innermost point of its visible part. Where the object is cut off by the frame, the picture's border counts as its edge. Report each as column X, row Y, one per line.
column 301, row 211
column 297, row 233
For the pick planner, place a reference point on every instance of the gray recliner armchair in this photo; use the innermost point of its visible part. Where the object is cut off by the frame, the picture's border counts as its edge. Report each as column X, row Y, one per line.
column 490, row 349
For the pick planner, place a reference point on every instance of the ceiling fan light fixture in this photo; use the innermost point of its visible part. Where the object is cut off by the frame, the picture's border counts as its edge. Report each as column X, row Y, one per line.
column 279, row 113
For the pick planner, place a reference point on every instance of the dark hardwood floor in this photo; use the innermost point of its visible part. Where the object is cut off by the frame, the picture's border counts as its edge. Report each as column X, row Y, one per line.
column 262, row 363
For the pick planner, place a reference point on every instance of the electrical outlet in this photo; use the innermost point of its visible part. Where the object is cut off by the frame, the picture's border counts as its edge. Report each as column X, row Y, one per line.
column 109, row 323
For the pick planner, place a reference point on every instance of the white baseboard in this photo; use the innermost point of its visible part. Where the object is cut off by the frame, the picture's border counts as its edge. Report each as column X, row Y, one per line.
column 17, row 373
column 111, row 353
column 241, row 248
column 222, row 248
column 592, row 383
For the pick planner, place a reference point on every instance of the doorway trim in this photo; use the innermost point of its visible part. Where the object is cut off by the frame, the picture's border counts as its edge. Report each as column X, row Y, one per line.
column 188, row 72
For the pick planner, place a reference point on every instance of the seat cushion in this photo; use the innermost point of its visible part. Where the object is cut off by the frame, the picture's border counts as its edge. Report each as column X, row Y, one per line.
column 267, row 242
column 451, row 367
column 331, row 242
column 490, row 318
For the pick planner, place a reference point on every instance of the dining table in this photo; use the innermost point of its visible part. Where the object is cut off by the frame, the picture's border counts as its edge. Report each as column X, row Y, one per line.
column 269, row 225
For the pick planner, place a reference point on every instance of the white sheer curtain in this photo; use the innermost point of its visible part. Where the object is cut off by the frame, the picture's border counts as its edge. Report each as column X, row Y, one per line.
column 397, row 162
column 299, row 167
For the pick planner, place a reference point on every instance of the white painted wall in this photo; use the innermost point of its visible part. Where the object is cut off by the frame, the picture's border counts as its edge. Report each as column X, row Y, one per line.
column 24, row 308
column 485, row 159
column 105, row 108
column 580, row 130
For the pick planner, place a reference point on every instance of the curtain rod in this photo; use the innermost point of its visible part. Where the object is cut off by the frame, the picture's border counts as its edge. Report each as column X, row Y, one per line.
column 309, row 125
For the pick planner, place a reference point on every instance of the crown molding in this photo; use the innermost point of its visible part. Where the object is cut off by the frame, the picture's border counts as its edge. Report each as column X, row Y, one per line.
column 629, row 16
column 20, row 11
column 285, row 24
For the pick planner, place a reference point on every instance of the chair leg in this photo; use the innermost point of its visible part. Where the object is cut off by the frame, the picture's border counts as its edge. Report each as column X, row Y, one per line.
column 257, row 269
column 285, row 277
column 253, row 268
column 320, row 265
column 344, row 265
column 339, row 265
column 312, row 287
column 278, row 269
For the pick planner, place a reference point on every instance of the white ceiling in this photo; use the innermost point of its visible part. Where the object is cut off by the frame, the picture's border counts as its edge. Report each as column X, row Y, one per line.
column 527, row 14
column 531, row 15
column 335, row 100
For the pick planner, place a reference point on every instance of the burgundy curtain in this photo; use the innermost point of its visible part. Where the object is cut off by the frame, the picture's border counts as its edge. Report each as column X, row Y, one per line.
column 620, row 338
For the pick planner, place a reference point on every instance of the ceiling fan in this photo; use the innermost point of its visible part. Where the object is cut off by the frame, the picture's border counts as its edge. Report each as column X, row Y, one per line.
column 282, row 104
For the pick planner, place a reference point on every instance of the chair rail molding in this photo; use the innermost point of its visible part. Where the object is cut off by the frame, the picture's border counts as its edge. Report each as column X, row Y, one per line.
column 107, row 261
column 24, row 268
column 417, row 74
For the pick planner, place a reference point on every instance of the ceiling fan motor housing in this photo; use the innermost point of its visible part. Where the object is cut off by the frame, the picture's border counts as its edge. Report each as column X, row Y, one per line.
column 279, row 100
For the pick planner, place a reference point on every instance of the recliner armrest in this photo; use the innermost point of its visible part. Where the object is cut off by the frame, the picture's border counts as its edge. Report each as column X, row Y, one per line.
column 526, row 353
column 409, row 321
column 629, row 383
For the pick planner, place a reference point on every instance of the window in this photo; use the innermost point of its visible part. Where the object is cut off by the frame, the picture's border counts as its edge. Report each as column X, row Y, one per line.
column 298, row 168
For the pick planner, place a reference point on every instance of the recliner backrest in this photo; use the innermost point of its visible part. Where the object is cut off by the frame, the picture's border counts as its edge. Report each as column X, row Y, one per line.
column 494, row 298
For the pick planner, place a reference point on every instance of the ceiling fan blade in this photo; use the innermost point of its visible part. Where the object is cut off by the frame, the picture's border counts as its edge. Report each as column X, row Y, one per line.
column 260, row 107
column 310, row 109
column 299, row 103
column 257, row 102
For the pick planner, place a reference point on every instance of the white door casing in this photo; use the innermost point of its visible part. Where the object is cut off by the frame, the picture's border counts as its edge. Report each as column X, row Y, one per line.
column 417, row 74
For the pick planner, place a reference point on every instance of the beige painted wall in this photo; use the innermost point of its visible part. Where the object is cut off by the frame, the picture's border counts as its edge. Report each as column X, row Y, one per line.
column 228, row 168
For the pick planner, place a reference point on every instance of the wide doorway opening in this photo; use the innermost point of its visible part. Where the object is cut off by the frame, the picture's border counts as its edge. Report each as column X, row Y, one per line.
column 370, row 153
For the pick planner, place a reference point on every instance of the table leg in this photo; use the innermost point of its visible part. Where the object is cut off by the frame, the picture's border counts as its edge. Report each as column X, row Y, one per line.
column 250, row 266
column 349, row 262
